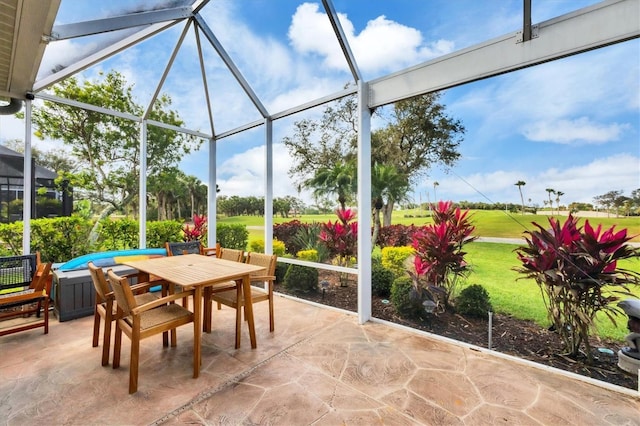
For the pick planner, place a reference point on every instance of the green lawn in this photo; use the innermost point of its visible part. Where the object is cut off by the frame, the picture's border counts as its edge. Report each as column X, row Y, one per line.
column 493, row 263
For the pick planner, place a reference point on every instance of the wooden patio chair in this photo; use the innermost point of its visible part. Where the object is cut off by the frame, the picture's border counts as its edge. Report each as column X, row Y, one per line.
column 190, row 247
column 261, row 290
column 226, row 254
column 230, row 254
column 141, row 321
column 106, row 307
column 32, row 300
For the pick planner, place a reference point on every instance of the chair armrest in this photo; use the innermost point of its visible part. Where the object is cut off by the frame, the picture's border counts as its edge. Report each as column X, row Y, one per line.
column 161, row 301
column 139, row 276
column 263, row 278
column 146, row 286
column 48, row 283
column 209, row 251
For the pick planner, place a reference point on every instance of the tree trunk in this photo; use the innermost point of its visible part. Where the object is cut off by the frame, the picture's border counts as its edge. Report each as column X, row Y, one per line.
column 93, row 235
column 387, row 210
column 376, row 228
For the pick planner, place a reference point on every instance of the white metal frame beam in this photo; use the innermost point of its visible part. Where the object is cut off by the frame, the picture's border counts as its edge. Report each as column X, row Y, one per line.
column 589, row 28
column 101, row 55
column 342, row 39
column 121, row 22
column 230, row 65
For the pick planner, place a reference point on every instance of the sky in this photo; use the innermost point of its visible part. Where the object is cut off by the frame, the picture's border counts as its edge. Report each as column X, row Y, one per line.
column 572, row 125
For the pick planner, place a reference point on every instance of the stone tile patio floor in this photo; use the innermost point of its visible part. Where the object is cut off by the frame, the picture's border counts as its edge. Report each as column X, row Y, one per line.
column 320, row 367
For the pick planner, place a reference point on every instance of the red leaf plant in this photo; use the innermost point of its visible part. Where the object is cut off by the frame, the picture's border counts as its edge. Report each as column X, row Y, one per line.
column 197, row 230
column 577, row 271
column 439, row 256
column 341, row 238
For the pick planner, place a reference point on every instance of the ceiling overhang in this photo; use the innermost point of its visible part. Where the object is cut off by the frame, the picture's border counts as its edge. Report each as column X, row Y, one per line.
column 24, row 28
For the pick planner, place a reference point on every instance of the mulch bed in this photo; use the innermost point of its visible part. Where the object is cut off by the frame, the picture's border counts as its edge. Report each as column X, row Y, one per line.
column 523, row 339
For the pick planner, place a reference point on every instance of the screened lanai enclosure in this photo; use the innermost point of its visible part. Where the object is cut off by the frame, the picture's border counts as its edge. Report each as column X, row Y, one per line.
column 222, row 77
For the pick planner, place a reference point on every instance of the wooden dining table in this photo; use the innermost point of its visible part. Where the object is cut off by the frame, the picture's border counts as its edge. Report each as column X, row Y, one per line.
column 195, row 271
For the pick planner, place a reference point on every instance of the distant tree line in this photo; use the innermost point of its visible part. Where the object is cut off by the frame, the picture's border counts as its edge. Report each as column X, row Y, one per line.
column 616, row 202
column 254, row 206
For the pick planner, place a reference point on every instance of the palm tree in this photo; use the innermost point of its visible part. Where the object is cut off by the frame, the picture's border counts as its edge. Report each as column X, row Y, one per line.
column 387, row 184
column 435, row 184
column 520, row 184
column 550, row 191
column 192, row 183
column 339, row 180
column 558, row 195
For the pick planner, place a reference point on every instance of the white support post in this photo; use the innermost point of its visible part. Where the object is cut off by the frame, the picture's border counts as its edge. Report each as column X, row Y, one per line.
column 268, row 195
column 364, row 204
column 142, row 196
column 27, row 187
column 211, row 196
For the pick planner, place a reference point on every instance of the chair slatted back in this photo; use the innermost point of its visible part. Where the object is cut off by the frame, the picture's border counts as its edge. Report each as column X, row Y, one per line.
column 231, row 254
column 267, row 261
column 122, row 291
column 99, row 281
column 179, row 248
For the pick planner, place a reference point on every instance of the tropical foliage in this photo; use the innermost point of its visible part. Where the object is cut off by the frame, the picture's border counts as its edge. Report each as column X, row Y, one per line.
column 577, row 271
column 341, row 238
column 439, row 256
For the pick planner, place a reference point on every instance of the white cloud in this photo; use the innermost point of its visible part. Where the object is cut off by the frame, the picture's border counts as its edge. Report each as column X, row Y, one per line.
column 383, row 45
column 244, row 174
column 581, row 130
column 598, row 85
column 11, row 128
column 580, row 183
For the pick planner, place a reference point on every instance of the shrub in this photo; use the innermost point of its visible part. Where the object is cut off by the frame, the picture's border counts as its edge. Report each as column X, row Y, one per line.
column 393, row 258
column 281, row 270
column 257, row 246
column 60, row 239
column 395, row 235
column 381, row 280
column 159, row 232
column 402, row 300
column 308, row 238
column 286, row 231
column 473, row 301
column 118, row 234
column 310, row 255
column 578, row 275
column 301, row 279
column 234, row 236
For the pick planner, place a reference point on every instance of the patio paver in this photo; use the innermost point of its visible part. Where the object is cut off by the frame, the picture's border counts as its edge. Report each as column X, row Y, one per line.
column 320, row 367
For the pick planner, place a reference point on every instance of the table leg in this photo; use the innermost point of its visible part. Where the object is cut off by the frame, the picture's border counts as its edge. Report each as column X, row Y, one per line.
column 206, row 326
column 248, row 309
column 197, row 332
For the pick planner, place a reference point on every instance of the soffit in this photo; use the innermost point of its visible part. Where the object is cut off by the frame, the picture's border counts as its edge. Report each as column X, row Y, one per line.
column 23, row 25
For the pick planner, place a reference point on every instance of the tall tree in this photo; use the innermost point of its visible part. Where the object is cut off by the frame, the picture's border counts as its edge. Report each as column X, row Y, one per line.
column 107, row 147
column 418, row 135
column 338, row 179
column 558, row 195
column 387, row 186
column 550, row 191
column 435, row 185
column 520, row 184
column 607, row 200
